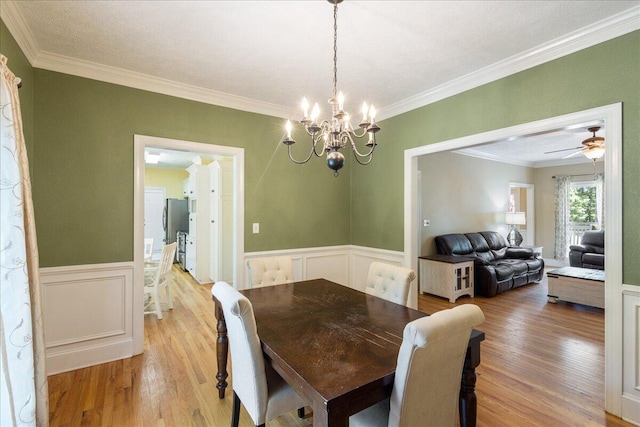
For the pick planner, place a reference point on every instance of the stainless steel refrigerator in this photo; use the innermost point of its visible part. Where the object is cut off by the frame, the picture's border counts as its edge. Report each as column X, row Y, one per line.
column 175, row 217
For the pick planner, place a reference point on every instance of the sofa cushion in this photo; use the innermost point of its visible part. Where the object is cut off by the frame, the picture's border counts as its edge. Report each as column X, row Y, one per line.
column 453, row 244
column 593, row 238
column 480, row 247
column 534, row 264
column 519, row 267
column 519, row 253
column 503, row 271
column 593, row 259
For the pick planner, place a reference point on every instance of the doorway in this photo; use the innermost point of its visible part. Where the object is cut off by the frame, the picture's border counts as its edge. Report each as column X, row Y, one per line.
column 522, row 199
column 154, row 198
column 611, row 115
column 237, row 156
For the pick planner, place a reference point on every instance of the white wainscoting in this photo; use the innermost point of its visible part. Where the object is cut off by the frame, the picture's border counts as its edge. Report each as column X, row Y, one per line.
column 347, row 265
column 87, row 314
column 631, row 355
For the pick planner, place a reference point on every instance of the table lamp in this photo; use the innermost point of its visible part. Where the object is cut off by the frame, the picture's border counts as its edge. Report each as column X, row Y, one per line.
column 515, row 218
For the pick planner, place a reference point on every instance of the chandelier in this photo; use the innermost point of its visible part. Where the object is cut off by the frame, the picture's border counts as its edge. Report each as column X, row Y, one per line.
column 331, row 136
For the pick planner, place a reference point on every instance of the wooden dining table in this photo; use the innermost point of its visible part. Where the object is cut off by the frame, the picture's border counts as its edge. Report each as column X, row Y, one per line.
column 337, row 347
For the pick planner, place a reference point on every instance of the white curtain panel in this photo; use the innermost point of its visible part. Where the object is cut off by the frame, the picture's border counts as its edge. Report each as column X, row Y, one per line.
column 563, row 184
column 600, row 200
column 24, row 392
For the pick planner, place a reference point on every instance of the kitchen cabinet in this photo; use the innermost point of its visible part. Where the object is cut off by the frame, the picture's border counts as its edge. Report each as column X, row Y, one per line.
column 221, row 220
column 199, row 229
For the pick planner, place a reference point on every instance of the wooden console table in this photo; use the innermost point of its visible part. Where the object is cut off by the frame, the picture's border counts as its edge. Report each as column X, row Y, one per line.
column 446, row 276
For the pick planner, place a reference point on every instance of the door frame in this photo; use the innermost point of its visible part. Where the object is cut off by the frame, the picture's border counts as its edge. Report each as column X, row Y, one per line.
column 612, row 116
column 139, row 143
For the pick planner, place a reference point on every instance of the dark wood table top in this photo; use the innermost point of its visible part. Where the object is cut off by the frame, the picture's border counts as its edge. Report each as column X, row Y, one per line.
column 336, row 346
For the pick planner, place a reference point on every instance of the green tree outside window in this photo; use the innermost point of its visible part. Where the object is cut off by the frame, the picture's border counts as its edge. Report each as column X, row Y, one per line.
column 582, row 204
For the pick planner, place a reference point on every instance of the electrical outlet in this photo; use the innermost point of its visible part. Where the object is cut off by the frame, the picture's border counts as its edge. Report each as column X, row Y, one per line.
column 426, row 222
column 256, row 228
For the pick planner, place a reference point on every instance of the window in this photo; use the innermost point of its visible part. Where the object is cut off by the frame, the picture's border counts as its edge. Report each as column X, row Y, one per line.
column 583, row 203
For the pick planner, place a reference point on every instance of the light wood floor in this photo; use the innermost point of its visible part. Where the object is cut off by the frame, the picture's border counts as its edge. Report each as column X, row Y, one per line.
column 542, row 365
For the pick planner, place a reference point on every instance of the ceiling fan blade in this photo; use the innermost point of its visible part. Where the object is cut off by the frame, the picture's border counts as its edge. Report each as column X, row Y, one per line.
column 573, row 154
column 564, row 149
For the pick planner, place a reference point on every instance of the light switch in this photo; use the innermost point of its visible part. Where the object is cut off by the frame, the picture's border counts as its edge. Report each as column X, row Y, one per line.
column 426, row 223
column 256, row 227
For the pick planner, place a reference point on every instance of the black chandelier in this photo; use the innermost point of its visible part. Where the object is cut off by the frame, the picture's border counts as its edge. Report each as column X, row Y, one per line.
column 332, row 135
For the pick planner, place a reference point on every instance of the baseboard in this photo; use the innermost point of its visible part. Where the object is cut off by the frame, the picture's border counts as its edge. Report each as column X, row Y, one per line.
column 631, row 409
column 59, row 361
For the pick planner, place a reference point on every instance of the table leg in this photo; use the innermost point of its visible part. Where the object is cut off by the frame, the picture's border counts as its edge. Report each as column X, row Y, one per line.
column 468, row 402
column 222, row 348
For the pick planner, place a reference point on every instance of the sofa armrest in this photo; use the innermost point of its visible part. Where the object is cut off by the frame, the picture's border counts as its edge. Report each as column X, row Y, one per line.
column 582, row 248
column 516, row 252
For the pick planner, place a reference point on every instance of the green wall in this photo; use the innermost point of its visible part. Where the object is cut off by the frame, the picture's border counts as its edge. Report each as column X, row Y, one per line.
column 83, row 183
column 603, row 74
column 81, row 152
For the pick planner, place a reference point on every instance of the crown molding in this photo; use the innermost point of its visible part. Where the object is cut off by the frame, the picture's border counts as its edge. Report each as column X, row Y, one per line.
column 470, row 152
column 19, row 30
column 583, row 38
column 591, row 35
column 119, row 76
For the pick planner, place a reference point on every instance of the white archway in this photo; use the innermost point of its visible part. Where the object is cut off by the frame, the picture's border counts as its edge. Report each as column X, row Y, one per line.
column 612, row 117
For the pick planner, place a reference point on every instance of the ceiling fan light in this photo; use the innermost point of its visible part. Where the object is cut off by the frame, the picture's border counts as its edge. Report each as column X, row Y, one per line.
column 593, row 153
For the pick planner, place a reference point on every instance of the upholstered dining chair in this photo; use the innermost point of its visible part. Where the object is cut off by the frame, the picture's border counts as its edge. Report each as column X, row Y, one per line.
column 264, row 394
column 428, row 373
column 270, row 271
column 390, row 282
column 154, row 282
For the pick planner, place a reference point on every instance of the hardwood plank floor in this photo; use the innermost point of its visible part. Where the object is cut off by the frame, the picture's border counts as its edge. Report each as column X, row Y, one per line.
column 542, row 365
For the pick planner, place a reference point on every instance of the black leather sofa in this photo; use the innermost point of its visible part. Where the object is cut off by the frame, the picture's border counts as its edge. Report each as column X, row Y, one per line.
column 497, row 266
column 590, row 252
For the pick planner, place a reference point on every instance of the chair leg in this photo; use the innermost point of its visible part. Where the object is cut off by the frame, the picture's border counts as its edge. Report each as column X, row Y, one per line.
column 235, row 412
column 156, row 303
column 300, row 412
column 169, row 299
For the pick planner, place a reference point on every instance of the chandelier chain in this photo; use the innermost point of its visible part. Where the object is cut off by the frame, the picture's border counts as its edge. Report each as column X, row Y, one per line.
column 335, row 49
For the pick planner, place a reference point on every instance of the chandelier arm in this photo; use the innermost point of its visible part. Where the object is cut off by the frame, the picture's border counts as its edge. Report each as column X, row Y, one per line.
column 364, row 132
column 300, row 162
column 369, row 154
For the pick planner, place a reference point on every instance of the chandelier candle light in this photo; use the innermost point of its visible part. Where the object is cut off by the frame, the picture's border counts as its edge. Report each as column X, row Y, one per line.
column 335, row 134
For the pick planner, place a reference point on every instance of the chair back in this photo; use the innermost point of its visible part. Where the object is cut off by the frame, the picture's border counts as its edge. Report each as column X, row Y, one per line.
column 148, row 248
column 429, row 369
column 270, row 271
column 166, row 261
column 248, row 369
column 390, row 282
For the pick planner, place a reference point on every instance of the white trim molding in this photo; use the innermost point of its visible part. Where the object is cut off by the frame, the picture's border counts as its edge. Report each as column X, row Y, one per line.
column 598, row 32
column 347, row 265
column 631, row 356
column 87, row 314
column 612, row 117
column 142, row 141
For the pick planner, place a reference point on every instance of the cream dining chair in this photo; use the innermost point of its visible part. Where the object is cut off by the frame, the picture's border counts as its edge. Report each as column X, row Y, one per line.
column 390, row 282
column 270, row 271
column 264, row 394
column 428, row 373
column 153, row 282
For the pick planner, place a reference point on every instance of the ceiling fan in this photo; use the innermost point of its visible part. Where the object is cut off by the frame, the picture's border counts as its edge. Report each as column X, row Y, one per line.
column 592, row 148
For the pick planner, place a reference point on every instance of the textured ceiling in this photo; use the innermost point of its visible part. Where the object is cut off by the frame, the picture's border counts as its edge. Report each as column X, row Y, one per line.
column 274, row 52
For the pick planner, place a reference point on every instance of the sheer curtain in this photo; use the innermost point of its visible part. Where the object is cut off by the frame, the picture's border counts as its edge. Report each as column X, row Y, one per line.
column 24, row 392
column 600, row 200
column 563, row 184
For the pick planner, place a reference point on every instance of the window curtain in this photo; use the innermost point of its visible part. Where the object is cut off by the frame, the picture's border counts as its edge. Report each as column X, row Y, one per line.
column 563, row 184
column 600, row 200
column 24, row 382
